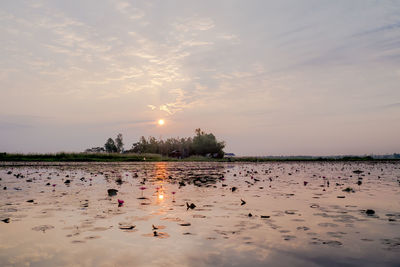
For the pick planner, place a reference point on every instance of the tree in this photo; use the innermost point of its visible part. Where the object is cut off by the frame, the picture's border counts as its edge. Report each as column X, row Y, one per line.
column 95, row 150
column 119, row 143
column 204, row 144
column 110, row 146
column 141, row 146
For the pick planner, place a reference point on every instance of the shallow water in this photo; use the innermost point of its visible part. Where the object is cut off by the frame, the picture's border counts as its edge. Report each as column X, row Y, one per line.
column 291, row 214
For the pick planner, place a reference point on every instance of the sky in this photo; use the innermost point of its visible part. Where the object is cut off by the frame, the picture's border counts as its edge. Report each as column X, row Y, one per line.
column 267, row 77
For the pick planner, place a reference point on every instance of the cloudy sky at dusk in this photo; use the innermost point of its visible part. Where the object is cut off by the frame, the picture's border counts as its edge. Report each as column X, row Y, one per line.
column 268, row 77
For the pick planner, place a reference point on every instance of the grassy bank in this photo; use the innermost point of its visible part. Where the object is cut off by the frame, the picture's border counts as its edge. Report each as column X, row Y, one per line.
column 82, row 157
column 115, row 157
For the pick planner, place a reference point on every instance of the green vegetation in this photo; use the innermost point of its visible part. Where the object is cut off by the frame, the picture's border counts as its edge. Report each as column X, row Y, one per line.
column 348, row 190
column 81, row 157
column 110, row 146
column 306, row 159
column 135, row 157
column 202, row 144
column 202, row 147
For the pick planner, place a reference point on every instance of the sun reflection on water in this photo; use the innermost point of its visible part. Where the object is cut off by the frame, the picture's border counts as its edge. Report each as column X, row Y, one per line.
column 161, row 174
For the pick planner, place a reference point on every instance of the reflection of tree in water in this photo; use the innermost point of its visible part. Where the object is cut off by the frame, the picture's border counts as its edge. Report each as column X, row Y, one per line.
column 160, row 173
column 192, row 173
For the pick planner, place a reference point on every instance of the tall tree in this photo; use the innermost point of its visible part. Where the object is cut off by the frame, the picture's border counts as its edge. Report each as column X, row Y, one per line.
column 119, row 143
column 110, row 146
column 204, row 144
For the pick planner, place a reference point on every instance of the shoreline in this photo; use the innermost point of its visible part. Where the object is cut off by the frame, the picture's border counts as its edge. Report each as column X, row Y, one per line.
column 6, row 158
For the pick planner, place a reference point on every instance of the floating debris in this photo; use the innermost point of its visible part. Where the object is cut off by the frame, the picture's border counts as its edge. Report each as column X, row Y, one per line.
column 332, row 243
column 112, row 192
column 288, row 237
column 127, row 227
column 43, row 228
column 157, row 234
column 304, row 228
column 191, row 206
column 290, row 212
column 370, row 212
column 348, row 189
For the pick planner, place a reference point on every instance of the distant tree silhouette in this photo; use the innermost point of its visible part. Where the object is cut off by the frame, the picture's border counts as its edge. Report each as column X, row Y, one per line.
column 119, row 143
column 95, row 150
column 201, row 144
column 110, row 146
column 204, row 144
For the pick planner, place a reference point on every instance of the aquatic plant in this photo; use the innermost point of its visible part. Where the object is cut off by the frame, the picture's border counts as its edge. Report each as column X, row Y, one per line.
column 349, row 189
column 142, row 188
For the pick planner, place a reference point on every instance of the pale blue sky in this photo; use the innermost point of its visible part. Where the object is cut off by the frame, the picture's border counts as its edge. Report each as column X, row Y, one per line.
column 268, row 77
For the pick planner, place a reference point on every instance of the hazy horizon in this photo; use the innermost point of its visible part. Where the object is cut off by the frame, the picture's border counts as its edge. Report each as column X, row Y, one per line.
column 268, row 78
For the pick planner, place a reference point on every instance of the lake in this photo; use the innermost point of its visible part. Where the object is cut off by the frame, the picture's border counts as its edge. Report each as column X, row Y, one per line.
column 200, row 214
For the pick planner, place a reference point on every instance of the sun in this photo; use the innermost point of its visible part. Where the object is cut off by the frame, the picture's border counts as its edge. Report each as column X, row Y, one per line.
column 161, row 122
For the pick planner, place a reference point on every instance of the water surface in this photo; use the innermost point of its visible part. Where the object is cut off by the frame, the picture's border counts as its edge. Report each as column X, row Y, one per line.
column 254, row 214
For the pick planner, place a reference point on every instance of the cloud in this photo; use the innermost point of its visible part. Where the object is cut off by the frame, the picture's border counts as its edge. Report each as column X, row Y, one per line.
column 103, row 67
column 233, row 38
column 13, row 126
column 180, row 102
column 393, row 105
column 127, row 9
column 385, row 28
column 191, row 43
column 166, row 108
column 194, row 24
column 268, row 63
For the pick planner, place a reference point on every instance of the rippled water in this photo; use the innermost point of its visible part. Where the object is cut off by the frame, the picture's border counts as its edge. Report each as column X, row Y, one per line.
column 276, row 214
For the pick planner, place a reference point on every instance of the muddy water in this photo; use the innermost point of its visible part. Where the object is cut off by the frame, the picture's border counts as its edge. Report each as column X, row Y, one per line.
column 276, row 214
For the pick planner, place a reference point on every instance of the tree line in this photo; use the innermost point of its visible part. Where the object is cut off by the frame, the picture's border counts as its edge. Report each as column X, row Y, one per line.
column 111, row 146
column 202, row 144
